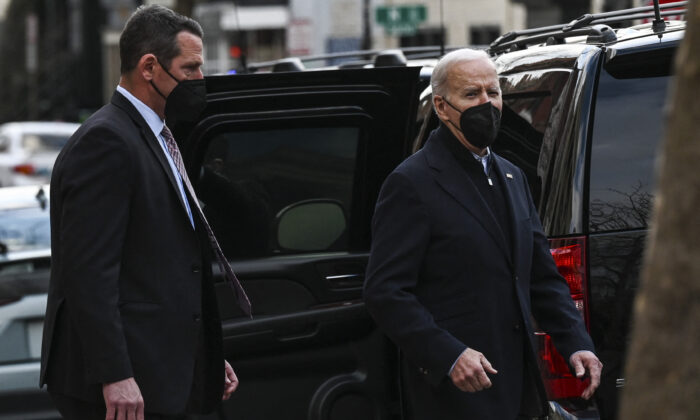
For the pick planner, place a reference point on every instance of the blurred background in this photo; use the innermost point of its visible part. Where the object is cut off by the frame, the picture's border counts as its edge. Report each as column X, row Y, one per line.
column 60, row 57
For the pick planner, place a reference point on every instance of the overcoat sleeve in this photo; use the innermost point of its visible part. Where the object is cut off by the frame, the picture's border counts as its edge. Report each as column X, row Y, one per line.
column 95, row 188
column 400, row 236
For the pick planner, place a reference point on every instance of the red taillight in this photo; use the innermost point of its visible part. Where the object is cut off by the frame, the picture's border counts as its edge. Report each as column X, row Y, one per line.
column 570, row 260
column 24, row 169
column 570, row 257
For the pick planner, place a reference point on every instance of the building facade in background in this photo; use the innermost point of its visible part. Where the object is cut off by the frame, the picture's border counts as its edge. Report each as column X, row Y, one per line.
column 61, row 57
column 242, row 32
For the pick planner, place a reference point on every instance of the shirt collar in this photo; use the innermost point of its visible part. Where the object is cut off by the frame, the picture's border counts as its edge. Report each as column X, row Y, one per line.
column 152, row 119
column 485, row 158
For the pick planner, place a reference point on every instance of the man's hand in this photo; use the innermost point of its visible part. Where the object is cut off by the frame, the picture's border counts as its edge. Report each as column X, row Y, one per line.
column 469, row 373
column 585, row 361
column 231, row 381
column 123, row 400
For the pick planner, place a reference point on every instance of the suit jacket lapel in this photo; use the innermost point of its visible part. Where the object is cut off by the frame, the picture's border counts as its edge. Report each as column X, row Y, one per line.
column 452, row 178
column 150, row 139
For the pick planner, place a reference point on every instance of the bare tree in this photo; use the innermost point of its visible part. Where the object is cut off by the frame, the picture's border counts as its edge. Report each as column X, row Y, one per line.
column 663, row 368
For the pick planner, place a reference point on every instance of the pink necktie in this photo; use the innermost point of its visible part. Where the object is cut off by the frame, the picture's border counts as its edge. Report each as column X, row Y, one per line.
column 241, row 297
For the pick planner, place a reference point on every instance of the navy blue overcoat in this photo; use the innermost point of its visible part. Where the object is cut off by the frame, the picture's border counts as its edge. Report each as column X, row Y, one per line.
column 442, row 277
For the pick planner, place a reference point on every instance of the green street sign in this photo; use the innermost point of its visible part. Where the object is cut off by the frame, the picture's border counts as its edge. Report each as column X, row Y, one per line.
column 401, row 19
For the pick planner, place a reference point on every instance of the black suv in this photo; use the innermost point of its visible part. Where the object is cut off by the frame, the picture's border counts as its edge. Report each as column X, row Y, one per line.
column 288, row 167
column 291, row 164
column 584, row 120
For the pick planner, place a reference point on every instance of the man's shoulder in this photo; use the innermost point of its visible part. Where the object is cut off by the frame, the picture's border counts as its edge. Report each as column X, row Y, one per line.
column 108, row 115
column 109, row 128
column 413, row 165
column 110, row 119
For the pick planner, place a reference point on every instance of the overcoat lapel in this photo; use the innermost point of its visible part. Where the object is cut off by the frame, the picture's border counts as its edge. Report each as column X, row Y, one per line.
column 509, row 186
column 121, row 102
column 453, row 180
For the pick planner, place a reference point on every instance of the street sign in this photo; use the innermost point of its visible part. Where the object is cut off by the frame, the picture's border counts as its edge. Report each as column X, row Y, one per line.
column 401, row 19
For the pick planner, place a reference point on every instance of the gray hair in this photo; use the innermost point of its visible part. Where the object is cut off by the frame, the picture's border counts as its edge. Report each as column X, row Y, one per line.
column 438, row 80
column 153, row 30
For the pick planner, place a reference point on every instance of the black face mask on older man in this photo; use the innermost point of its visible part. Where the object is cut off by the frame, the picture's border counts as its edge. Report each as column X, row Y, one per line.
column 479, row 124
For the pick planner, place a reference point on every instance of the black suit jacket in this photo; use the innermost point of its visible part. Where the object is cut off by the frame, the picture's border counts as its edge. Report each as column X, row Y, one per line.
column 131, row 290
column 441, row 278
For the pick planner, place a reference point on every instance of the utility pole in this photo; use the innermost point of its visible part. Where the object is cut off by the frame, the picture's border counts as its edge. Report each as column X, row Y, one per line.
column 366, row 25
column 32, row 64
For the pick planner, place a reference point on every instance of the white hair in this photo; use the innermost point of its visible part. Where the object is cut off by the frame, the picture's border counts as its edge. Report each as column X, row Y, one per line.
column 438, row 80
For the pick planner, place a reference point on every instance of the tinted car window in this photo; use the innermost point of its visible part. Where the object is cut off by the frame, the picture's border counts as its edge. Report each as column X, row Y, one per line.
column 251, row 180
column 526, row 121
column 520, row 138
column 626, row 136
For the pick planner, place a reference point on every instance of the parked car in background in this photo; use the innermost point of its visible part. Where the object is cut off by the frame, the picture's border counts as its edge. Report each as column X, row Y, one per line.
column 25, row 258
column 24, row 280
column 28, row 150
column 24, row 219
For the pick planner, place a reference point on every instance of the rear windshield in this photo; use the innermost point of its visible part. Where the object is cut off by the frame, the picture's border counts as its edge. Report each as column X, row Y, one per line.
column 523, row 123
column 530, row 138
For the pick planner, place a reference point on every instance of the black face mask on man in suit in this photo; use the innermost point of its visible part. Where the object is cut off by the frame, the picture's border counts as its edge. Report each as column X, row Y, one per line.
column 479, row 123
column 186, row 101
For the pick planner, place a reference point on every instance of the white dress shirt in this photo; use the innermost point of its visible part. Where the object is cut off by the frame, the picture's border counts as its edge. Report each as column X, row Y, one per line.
column 156, row 125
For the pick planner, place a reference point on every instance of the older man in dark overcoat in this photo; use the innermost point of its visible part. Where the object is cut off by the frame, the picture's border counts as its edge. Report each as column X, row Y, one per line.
column 460, row 265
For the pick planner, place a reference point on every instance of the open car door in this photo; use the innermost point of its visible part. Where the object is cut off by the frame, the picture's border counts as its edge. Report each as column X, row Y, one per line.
column 288, row 167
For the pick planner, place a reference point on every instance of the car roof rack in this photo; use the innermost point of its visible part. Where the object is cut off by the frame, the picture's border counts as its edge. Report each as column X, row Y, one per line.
column 360, row 58
column 595, row 26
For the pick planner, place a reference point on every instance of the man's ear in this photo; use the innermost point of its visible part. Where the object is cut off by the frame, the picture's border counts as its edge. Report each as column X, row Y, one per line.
column 440, row 107
column 146, row 65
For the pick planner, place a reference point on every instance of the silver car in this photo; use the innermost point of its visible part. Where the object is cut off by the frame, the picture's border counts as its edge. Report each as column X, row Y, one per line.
column 25, row 259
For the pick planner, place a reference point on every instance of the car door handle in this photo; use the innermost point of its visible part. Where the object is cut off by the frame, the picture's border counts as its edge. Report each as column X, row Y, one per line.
column 346, row 280
column 309, row 331
column 344, row 276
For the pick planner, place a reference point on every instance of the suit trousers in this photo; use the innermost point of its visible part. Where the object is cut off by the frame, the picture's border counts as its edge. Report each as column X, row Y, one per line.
column 76, row 409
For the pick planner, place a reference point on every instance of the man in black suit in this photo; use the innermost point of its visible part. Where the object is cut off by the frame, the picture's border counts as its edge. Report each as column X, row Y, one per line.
column 459, row 263
column 132, row 325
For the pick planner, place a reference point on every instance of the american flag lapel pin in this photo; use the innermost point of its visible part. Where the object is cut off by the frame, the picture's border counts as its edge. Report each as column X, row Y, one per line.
column 510, row 176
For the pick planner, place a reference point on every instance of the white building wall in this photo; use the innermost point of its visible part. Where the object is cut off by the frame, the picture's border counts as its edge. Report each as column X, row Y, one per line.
column 316, row 23
column 312, row 20
column 322, row 20
column 317, row 27
column 460, row 15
